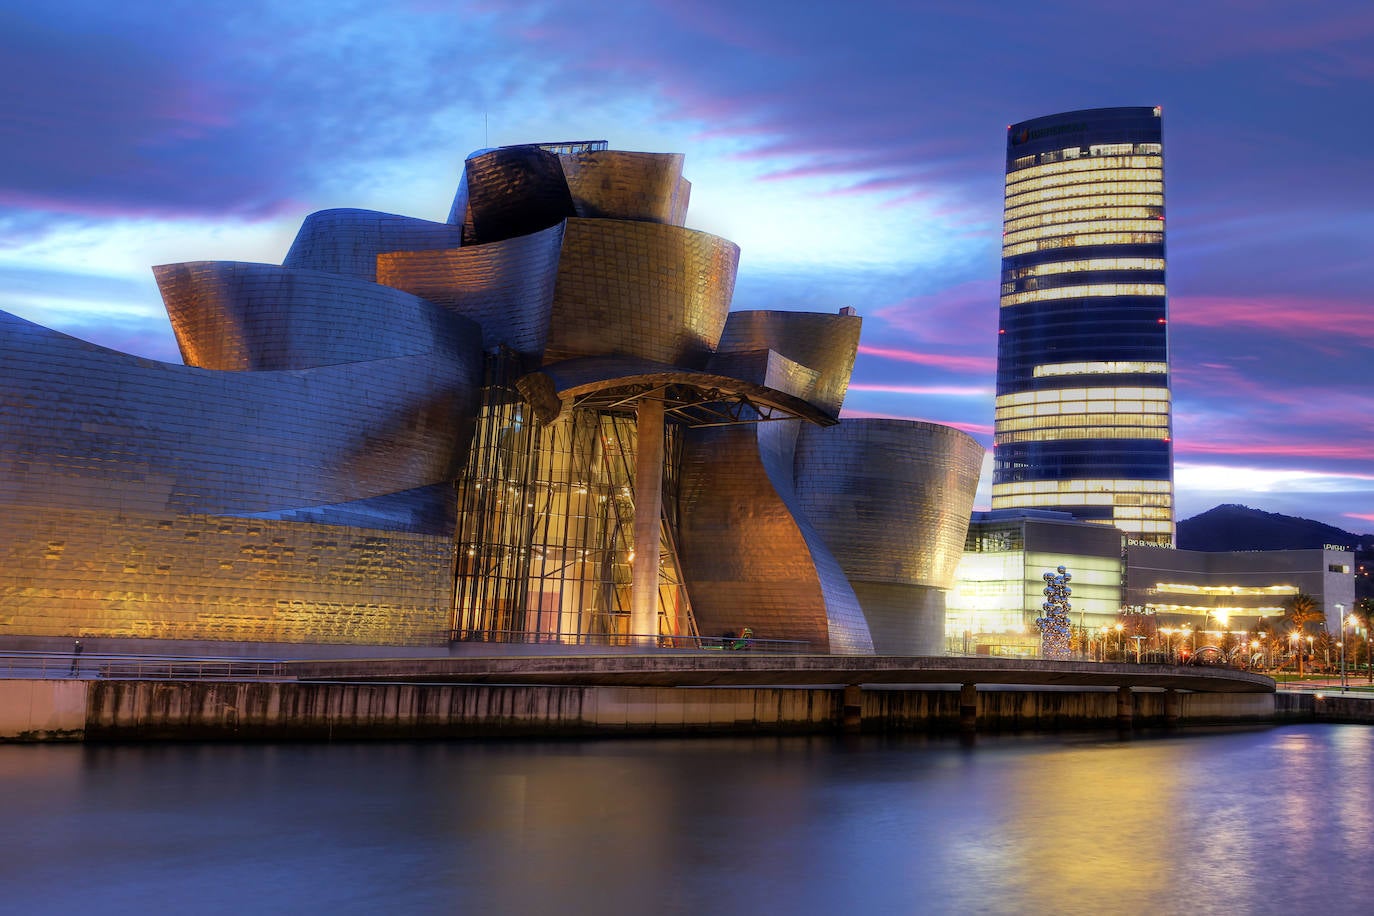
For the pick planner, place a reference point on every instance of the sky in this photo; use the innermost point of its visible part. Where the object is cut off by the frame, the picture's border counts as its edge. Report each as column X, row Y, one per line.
column 854, row 151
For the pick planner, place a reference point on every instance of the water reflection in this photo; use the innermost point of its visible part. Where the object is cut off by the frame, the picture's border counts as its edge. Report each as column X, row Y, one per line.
column 1264, row 821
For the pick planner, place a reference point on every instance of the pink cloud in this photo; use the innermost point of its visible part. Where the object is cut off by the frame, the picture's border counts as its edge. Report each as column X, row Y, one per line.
column 982, row 365
column 1287, row 315
column 1308, row 450
column 957, row 391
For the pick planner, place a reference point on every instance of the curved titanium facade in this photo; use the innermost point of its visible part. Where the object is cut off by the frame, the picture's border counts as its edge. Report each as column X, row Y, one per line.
column 413, row 432
column 97, row 429
column 612, row 184
column 348, row 241
column 825, row 344
column 132, row 494
column 750, row 557
column 506, row 287
column 514, row 191
column 1083, row 418
column 233, row 316
column 641, row 289
column 892, row 498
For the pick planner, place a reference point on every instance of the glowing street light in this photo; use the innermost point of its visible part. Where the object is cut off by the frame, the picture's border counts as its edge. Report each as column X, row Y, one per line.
column 1340, row 612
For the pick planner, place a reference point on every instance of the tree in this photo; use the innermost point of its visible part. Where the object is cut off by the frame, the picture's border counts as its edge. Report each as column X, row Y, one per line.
column 1299, row 611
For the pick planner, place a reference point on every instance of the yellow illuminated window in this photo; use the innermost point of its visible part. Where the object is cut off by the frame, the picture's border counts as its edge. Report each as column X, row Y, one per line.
column 1064, row 432
column 1080, row 485
column 1134, row 181
column 1101, row 164
column 1064, row 204
column 1109, row 395
column 1119, row 367
column 1086, row 215
column 1182, row 588
column 1100, row 225
column 1084, row 240
column 1093, row 290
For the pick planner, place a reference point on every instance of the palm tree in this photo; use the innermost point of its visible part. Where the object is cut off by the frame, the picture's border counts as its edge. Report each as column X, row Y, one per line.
column 1299, row 611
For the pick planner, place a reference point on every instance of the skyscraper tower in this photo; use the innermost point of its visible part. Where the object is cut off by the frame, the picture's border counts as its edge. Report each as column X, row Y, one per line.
column 1083, row 419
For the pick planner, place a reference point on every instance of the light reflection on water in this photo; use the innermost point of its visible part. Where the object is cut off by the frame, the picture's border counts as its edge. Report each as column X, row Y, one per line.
column 1264, row 821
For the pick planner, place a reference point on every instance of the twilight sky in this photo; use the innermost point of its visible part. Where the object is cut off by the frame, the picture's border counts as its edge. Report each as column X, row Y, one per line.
column 853, row 150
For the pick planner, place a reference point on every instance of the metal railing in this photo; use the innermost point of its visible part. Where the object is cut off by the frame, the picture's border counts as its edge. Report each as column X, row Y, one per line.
column 139, row 667
column 636, row 641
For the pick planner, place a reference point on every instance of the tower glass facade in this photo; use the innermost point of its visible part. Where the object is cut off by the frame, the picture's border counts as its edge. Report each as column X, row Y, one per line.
column 1083, row 419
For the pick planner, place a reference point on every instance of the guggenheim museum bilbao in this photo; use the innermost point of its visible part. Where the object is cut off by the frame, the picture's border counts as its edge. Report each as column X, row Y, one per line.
column 538, row 420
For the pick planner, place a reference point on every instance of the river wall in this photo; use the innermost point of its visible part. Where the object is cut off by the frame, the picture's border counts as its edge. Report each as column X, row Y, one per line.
column 128, row 710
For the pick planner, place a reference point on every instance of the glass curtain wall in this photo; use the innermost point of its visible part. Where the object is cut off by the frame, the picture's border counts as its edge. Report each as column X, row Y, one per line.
column 545, row 539
column 1083, row 414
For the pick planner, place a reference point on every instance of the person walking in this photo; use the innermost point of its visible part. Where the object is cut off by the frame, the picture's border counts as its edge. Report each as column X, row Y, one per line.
column 76, row 659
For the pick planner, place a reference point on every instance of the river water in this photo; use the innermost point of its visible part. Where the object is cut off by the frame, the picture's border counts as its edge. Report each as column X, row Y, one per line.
column 1274, row 820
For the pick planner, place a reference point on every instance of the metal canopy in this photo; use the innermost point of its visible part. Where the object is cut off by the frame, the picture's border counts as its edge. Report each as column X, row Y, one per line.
column 690, row 397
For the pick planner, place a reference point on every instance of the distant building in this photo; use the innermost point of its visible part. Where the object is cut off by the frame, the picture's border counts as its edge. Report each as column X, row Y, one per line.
column 1083, row 420
column 1235, row 590
column 999, row 585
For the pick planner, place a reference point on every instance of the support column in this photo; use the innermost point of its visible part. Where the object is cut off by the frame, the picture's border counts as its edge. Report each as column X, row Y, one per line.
column 648, row 519
column 853, row 713
column 968, row 707
column 1125, row 707
column 1173, row 708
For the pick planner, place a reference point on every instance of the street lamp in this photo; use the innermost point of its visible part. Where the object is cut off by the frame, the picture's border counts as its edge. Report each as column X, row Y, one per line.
column 1120, row 643
column 1340, row 612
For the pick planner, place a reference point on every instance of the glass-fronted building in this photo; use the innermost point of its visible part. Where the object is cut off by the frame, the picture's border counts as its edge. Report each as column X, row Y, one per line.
column 1083, row 421
column 999, row 586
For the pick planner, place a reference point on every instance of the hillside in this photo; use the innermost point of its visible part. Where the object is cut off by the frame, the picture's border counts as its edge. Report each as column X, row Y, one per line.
column 1233, row 527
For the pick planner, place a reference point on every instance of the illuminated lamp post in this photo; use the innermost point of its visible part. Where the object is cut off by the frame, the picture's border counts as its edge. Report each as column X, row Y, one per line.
column 1340, row 612
column 1120, row 642
column 1168, row 633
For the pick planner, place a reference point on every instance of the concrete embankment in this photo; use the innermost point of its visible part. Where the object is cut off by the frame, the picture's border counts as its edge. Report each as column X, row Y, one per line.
column 117, row 710
column 161, row 698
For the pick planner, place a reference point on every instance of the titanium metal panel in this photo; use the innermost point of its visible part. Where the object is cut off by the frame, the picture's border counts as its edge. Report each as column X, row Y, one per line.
column 86, row 427
column 614, row 184
column 99, row 573
column 235, row 316
column 506, row 287
column 826, row 344
column 891, row 499
column 515, row 190
column 348, row 241
column 641, row 289
column 749, row 557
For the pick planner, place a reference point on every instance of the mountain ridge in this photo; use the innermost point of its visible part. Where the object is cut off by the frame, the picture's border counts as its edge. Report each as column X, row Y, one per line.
column 1231, row 526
